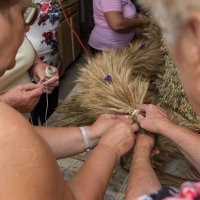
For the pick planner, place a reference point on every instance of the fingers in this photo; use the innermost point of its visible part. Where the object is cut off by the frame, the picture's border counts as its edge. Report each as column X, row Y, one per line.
column 52, row 82
column 35, row 92
column 134, row 127
column 125, row 118
column 140, row 118
column 29, row 86
column 146, row 141
column 151, row 108
column 121, row 117
column 155, row 152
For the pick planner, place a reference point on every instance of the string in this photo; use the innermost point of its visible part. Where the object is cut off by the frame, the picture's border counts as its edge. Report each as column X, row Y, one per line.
column 47, row 97
column 122, row 187
column 72, row 29
column 47, row 106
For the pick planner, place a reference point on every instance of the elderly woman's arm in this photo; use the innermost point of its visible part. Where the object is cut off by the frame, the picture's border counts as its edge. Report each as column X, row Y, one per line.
column 119, row 23
column 186, row 140
column 156, row 121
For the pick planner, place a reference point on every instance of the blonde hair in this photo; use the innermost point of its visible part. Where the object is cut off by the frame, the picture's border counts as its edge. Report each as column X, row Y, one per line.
column 171, row 15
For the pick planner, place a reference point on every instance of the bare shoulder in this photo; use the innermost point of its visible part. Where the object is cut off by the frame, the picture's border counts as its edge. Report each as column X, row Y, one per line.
column 9, row 115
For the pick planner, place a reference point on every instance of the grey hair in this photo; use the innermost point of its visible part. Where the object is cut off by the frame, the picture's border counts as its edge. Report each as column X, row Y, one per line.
column 171, row 15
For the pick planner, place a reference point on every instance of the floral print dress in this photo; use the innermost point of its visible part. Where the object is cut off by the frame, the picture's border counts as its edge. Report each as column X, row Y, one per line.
column 44, row 38
column 43, row 33
column 188, row 191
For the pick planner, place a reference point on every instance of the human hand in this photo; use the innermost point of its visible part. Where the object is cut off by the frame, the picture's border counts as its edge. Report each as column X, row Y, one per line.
column 38, row 74
column 23, row 97
column 145, row 142
column 103, row 123
column 153, row 118
column 144, row 148
column 120, row 138
column 144, row 21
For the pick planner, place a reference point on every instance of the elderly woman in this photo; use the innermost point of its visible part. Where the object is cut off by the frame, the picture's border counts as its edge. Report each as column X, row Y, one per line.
column 180, row 24
column 27, row 164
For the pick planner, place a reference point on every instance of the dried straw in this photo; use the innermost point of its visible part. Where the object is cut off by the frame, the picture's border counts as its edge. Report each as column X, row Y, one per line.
column 121, row 94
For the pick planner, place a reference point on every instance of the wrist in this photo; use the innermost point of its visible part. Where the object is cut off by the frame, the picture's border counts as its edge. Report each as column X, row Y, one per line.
column 141, row 154
column 108, row 148
column 165, row 127
column 93, row 139
column 86, row 139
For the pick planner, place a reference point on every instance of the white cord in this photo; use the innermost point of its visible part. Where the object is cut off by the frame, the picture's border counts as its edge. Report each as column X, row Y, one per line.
column 46, row 87
column 47, row 105
column 122, row 187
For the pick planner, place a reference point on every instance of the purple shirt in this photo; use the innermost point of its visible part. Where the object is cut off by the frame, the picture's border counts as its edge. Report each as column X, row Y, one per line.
column 102, row 36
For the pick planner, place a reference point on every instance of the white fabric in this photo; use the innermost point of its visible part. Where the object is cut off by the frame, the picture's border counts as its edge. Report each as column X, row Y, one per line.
column 19, row 74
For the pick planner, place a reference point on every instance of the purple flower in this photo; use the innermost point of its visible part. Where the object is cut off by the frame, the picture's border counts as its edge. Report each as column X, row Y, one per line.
column 143, row 46
column 108, row 78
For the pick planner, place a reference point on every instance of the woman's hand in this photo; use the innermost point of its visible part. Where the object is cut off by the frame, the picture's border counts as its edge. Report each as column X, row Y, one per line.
column 23, row 97
column 120, row 138
column 38, row 75
column 38, row 72
column 153, row 118
column 102, row 124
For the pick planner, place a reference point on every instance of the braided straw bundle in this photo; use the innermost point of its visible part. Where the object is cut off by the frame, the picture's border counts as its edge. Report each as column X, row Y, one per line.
column 106, row 86
column 120, row 81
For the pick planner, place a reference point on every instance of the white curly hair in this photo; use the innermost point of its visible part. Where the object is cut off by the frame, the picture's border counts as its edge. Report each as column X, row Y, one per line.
column 171, row 15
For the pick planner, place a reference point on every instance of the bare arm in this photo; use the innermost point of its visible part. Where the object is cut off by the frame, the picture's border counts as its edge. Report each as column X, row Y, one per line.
column 91, row 180
column 141, row 171
column 62, row 139
column 119, row 23
column 186, row 140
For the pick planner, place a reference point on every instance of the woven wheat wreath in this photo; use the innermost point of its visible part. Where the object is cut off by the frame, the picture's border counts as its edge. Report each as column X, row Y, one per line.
column 120, row 81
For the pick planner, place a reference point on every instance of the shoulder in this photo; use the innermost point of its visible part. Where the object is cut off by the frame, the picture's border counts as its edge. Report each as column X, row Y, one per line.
column 9, row 117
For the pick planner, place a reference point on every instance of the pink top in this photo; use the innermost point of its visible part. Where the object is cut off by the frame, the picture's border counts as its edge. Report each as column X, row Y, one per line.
column 102, row 36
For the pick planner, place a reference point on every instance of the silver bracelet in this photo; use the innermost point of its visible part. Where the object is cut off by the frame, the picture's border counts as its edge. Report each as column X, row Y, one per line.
column 85, row 139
